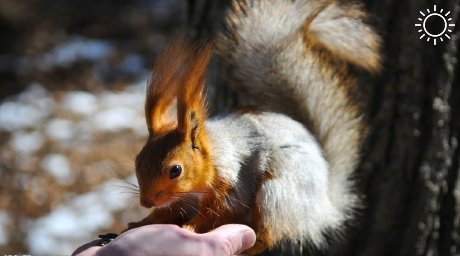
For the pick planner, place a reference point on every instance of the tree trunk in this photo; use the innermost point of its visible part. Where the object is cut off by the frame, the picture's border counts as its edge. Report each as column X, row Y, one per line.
column 409, row 173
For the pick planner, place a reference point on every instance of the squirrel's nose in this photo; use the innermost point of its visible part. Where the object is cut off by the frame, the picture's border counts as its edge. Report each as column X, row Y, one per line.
column 147, row 202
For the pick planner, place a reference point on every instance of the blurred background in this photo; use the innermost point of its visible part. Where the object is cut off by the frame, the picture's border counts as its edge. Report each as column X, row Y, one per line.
column 73, row 77
column 72, row 81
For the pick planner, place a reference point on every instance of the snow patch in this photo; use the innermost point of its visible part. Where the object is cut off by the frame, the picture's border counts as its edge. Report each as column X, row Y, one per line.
column 126, row 98
column 28, row 109
column 70, row 223
column 51, row 233
column 4, row 221
column 76, row 49
column 60, row 129
column 81, row 103
column 27, row 143
column 59, row 167
column 15, row 115
column 115, row 119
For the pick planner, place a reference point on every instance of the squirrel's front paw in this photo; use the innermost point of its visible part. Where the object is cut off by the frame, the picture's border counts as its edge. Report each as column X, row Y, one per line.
column 132, row 225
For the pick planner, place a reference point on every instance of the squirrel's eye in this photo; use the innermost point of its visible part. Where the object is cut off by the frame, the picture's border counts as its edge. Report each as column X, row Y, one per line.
column 175, row 171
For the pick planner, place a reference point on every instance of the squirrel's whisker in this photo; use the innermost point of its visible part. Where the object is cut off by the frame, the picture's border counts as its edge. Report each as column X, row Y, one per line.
column 239, row 201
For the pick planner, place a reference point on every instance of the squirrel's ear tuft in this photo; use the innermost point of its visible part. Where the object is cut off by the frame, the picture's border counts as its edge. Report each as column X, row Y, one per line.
column 191, row 101
column 175, row 92
column 163, row 87
column 340, row 28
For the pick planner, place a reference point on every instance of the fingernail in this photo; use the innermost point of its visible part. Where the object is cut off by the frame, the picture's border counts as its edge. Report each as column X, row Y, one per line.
column 248, row 238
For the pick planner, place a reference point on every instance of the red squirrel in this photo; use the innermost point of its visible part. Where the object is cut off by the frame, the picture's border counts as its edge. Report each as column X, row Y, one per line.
column 284, row 168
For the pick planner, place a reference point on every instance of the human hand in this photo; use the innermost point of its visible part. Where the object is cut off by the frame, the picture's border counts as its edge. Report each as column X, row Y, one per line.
column 169, row 240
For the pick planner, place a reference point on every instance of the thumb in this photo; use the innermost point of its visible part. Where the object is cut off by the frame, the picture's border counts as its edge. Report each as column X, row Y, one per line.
column 230, row 239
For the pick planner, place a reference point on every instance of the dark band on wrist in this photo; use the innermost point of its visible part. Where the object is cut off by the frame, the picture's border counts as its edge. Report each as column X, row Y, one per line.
column 106, row 238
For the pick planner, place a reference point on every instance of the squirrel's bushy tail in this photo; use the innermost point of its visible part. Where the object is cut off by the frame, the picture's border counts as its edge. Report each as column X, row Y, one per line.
column 292, row 56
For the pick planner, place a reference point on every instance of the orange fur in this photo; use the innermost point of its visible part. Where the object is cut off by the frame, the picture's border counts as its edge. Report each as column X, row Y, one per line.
column 163, row 88
column 191, row 95
column 178, row 78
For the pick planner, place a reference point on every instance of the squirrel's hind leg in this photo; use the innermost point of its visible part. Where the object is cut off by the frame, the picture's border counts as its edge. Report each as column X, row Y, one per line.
column 293, row 204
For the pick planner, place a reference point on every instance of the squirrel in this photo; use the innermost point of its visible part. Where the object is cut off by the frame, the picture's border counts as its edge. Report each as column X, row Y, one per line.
column 284, row 168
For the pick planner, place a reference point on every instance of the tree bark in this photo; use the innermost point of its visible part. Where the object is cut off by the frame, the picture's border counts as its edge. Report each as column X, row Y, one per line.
column 409, row 173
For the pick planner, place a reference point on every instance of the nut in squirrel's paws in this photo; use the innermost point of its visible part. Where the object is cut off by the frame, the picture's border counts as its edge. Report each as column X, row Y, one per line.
column 189, row 227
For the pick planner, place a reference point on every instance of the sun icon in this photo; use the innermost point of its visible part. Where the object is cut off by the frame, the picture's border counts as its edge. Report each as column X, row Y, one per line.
column 435, row 25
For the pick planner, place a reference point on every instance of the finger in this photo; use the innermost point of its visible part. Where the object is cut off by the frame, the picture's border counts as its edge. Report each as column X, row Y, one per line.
column 230, row 239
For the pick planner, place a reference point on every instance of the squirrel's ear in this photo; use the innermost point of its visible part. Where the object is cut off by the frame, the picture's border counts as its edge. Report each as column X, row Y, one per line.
column 162, row 90
column 191, row 102
column 342, row 31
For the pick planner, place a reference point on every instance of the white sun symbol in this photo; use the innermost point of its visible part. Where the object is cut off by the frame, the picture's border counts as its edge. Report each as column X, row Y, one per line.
column 430, row 17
